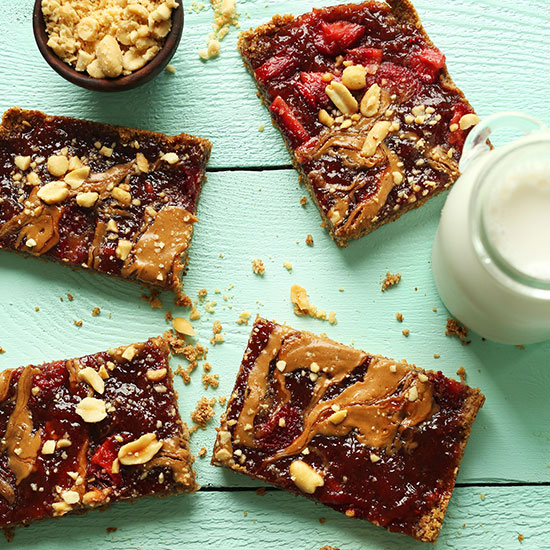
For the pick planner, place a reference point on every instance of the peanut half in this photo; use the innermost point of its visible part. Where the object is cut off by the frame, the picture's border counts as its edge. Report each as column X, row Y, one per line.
column 375, row 137
column 139, row 451
column 305, row 477
column 342, row 98
column 91, row 410
column 371, row 101
column 92, row 378
column 354, row 77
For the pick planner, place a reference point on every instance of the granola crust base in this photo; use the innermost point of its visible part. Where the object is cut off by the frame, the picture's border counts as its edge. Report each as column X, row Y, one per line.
column 405, row 13
column 429, row 525
column 16, row 119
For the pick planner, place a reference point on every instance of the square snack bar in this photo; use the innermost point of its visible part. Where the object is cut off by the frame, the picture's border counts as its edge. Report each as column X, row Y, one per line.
column 373, row 122
column 83, row 433
column 116, row 200
column 371, row 437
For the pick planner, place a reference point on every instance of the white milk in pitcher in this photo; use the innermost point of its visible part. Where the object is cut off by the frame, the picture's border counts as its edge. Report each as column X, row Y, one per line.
column 517, row 217
column 491, row 255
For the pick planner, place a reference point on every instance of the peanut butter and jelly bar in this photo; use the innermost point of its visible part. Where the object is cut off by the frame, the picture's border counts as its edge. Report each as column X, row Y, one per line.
column 371, row 437
column 371, row 118
column 83, row 433
column 116, row 200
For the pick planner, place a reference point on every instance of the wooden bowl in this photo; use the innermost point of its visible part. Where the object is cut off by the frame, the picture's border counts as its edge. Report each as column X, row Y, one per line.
column 137, row 78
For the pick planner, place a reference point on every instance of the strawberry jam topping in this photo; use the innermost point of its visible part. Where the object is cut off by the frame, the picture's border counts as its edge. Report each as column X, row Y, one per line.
column 293, row 65
column 85, row 459
column 397, row 488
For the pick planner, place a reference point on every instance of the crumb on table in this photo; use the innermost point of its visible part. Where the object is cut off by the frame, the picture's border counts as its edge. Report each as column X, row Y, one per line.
column 153, row 298
column 399, row 317
column 202, row 452
column 390, row 280
column 77, row 323
column 309, row 240
column 225, row 15
column 203, row 412
column 462, row 373
column 520, row 537
column 260, row 491
column 96, row 311
column 2, row 350
column 258, row 266
column 70, row 297
column 182, row 300
column 406, row 332
column 243, row 318
column 217, row 337
column 303, row 201
column 455, row 328
column 210, row 380
column 287, row 266
column 302, row 306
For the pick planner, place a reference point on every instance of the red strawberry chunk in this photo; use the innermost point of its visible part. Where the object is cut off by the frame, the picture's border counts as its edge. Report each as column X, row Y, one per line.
column 273, row 67
column 287, row 119
column 432, row 57
column 106, row 454
column 365, row 56
column 336, row 37
column 312, row 89
column 399, row 79
column 427, row 63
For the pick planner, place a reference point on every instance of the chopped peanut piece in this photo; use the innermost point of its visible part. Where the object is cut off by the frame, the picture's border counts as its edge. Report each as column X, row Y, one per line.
column 75, row 178
column 123, row 249
column 58, row 165
column 87, row 200
column 22, row 163
column 121, row 196
column 53, row 192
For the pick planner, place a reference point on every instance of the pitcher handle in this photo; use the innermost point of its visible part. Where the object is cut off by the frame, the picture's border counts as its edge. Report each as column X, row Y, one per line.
column 476, row 142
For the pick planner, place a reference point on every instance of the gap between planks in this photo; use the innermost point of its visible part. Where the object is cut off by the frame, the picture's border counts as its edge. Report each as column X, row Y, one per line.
column 229, row 489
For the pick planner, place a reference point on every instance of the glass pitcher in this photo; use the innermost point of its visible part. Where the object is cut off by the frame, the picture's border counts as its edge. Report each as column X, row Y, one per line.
column 491, row 254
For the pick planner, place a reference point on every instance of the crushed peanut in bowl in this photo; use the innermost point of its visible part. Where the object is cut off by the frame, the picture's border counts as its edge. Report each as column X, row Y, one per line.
column 107, row 38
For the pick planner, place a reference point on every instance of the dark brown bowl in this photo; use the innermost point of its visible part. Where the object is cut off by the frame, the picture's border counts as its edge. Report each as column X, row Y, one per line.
column 137, row 78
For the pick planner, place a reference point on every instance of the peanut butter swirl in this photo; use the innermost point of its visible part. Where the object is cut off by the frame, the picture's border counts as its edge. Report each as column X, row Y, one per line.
column 158, row 250
column 20, row 440
column 390, row 398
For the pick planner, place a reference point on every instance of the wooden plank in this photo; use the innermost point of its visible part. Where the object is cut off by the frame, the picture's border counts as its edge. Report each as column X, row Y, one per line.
column 510, row 439
column 244, row 520
column 217, row 99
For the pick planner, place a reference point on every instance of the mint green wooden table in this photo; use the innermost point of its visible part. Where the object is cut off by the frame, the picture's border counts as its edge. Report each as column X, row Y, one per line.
column 498, row 52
